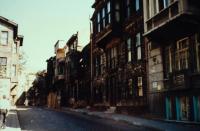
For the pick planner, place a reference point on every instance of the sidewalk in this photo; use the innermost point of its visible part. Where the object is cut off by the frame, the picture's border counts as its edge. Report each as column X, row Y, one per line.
column 12, row 122
column 156, row 124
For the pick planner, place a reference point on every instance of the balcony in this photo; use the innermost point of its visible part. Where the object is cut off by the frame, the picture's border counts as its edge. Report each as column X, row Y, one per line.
column 178, row 18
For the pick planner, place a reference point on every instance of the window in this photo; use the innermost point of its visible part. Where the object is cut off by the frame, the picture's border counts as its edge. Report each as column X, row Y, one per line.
column 138, row 46
column 184, row 101
column 4, row 37
column 182, row 54
column 98, row 22
column 102, row 63
column 137, row 5
column 128, row 8
column 3, row 64
column 128, row 42
column 117, row 11
column 96, row 66
column 109, row 12
column 140, row 88
column 113, row 57
column 198, row 51
column 130, row 86
column 103, row 17
column 168, row 60
column 14, row 71
column 163, row 4
column 61, row 69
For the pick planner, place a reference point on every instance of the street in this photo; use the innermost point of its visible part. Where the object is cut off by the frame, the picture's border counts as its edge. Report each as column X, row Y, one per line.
column 40, row 119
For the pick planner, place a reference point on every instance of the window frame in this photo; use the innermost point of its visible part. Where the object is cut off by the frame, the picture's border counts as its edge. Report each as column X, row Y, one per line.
column 128, row 8
column 103, row 11
column 2, row 39
column 129, row 49
column 130, row 87
column 140, row 86
column 138, row 46
column 137, row 5
column 108, row 6
column 179, row 57
column 3, row 67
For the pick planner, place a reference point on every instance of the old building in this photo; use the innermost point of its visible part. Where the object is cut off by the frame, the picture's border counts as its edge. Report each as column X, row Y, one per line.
column 172, row 30
column 10, row 43
column 59, row 77
column 85, row 63
column 119, row 76
column 51, row 98
column 73, row 70
column 132, row 63
column 55, row 77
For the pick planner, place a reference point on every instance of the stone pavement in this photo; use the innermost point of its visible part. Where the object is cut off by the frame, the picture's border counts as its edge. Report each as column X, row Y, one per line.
column 156, row 124
column 12, row 122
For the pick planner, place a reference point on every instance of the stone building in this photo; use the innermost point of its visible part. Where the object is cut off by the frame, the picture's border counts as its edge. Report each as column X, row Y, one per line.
column 172, row 32
column 10, row 43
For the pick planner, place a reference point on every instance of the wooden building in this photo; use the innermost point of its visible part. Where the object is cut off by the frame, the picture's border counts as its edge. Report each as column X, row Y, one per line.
column 119, row 77
column 172, row 30
column 73, row 70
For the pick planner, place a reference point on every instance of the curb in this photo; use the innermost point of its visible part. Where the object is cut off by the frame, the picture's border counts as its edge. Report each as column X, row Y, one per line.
column 12, row 122
column 110, row 118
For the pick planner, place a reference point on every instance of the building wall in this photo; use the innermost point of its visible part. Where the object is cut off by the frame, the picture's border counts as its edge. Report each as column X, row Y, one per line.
column 8, row 51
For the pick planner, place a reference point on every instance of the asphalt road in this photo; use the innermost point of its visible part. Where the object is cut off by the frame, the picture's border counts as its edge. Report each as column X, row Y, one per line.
column 39, row 119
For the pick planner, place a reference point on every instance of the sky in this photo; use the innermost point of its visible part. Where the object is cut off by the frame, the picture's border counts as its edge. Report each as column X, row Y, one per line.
column 43, row 22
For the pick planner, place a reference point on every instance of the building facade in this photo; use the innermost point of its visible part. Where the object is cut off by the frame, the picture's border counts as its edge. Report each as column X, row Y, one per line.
column 10, row 43
column 73, row 72
column 172, row 37
column 119, row 76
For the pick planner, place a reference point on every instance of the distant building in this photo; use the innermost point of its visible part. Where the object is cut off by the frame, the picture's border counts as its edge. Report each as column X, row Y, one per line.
column 10, row 43
column 73, row 74
column 172, row 31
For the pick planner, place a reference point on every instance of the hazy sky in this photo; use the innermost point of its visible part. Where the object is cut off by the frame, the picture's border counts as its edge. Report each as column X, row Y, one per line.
column 43, row 22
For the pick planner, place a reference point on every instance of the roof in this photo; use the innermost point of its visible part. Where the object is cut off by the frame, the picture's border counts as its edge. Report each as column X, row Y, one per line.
column 10, row 23
column 72, row 39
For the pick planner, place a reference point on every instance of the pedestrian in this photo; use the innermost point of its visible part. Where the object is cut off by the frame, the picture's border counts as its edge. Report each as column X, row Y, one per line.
column 4, row 108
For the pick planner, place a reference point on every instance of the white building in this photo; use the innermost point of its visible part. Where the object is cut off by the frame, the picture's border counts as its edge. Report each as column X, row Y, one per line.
column 10, row 42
